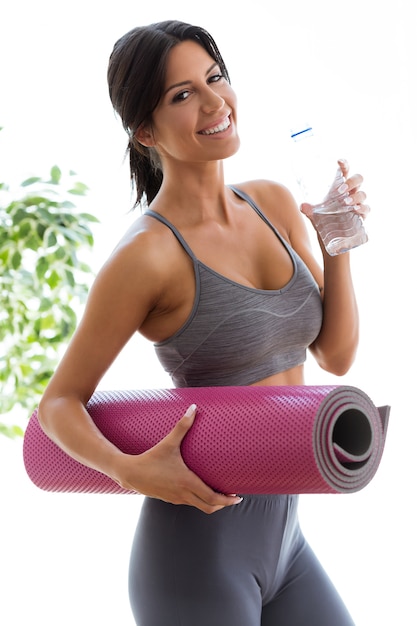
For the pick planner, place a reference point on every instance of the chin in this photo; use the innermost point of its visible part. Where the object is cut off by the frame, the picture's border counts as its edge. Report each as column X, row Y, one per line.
column 233, row 148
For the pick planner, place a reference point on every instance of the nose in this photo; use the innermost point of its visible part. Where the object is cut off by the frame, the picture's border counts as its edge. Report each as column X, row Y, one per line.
column 211, row 101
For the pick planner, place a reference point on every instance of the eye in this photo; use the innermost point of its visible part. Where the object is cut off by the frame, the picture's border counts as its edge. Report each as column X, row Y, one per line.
column 215, row 78
column 181, row 96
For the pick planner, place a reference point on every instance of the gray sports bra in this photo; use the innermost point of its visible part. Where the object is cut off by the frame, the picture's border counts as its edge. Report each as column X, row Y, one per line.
column 238, row 335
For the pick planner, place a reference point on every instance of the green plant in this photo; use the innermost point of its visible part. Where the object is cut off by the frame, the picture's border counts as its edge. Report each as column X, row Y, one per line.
column 42, row 283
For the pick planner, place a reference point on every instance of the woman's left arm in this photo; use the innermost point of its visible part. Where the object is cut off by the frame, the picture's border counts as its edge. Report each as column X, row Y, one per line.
column 336, row 345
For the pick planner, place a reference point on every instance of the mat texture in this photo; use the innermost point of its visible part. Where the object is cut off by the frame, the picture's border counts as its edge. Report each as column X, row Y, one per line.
column 263, row 440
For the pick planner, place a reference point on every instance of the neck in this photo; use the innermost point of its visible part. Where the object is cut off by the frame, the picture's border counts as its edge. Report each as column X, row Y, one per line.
column 192, row 190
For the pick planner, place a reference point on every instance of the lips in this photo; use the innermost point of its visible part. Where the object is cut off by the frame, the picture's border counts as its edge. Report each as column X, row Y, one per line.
column 219, row 128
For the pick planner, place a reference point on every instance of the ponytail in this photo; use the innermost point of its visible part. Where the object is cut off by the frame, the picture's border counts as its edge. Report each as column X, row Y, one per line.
column 145, row 172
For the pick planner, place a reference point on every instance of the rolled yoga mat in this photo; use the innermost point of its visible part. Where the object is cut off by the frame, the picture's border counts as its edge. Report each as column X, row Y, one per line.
column 257, row 439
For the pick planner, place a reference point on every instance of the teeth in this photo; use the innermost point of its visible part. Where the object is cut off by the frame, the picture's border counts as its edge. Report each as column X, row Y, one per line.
column 217, row 129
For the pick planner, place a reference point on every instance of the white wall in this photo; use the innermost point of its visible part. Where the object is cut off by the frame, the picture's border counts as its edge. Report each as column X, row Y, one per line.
column 349, row 67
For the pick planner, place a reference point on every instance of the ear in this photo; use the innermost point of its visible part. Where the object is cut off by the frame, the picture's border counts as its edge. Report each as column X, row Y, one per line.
column 144, row 135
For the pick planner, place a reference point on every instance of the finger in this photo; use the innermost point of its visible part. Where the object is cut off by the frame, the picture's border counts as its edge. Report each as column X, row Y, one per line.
column 204, row 497
column 355, row 198
column 344, row 166
column 215, row 501
column 191, row 411
column 354, row 182
column 307, row 209
column 209, row 510
column 193, row 491
column 362, row 209
column 182, row 427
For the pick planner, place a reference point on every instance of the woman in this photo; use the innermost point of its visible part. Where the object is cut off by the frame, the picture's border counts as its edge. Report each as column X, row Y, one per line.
column 188, row 275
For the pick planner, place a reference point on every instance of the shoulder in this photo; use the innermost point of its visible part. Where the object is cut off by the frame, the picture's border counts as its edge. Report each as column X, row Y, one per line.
column 264, row 188
column 142, row 263
column 148, row 244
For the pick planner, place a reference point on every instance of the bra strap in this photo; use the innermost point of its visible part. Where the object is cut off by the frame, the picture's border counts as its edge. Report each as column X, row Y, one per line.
column 248, row 199
column 176, row 232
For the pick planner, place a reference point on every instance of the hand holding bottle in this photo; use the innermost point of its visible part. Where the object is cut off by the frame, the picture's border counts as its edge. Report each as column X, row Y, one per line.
column 339, row 217
column 335, row 208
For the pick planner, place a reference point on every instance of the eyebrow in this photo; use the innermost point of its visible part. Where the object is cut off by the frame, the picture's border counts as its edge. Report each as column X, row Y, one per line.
column 188, row 82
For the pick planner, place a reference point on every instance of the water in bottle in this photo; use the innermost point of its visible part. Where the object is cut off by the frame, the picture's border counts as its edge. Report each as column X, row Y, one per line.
column 339, row 227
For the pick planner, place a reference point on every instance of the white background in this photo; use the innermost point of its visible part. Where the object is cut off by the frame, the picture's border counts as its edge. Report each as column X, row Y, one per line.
column 350, row 69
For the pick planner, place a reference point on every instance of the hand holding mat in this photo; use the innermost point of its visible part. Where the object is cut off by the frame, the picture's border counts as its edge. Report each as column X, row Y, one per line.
column 257, row 439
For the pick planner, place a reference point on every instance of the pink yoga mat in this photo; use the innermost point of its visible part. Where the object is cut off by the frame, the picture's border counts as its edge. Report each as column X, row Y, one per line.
column 263, row 440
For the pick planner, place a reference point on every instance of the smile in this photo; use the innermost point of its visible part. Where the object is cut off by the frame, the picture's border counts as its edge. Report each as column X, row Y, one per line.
column 216, row 129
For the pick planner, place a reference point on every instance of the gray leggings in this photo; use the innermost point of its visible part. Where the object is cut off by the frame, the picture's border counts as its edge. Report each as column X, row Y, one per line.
column 246, row 565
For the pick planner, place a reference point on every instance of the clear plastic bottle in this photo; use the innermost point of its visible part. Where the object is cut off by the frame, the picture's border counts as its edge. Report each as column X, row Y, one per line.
column 339, row 227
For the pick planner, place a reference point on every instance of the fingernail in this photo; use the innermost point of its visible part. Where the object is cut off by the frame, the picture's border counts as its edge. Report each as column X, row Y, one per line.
column 191, row 410
column 234, row 495
column 343, row 189
column 348, row 200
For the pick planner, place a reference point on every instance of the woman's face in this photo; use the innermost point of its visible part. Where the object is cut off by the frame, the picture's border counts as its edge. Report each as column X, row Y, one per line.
column 195, row 121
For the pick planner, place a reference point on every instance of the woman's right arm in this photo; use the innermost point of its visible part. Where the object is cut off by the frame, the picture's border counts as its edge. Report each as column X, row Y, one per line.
column 113, row 313
column 124, row 293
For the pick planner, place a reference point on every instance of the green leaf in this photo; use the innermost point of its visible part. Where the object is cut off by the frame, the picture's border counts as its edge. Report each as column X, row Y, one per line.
column 79, row 189
column 51, row 240
column 87, row 217
column 70, row 278
column 47, row 322
column 41, row 267
column 33, row 242
column 45, row 305
column 24, row 229
column 12, row 432
column 71, row 235
column 4, row 257
column 60, row 253
column 19, row 215
column 53, row 279
column 40, row 229
column 16, row 260
column 30, row 181
column 25, row 369
column 55, row 175
column 67, row 204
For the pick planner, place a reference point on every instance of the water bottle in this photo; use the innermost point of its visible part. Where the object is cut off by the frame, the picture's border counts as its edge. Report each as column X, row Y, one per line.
column 339, row 227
